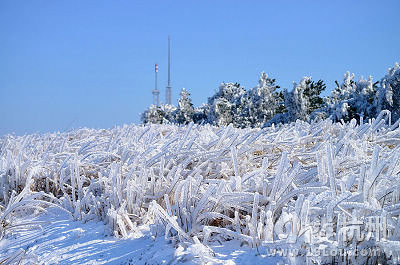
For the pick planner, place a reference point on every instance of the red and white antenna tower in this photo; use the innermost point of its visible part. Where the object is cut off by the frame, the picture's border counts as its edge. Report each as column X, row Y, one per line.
column 156, row 92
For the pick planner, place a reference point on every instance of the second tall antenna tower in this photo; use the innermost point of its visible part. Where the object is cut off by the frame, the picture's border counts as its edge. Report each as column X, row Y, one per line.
column 168, row 90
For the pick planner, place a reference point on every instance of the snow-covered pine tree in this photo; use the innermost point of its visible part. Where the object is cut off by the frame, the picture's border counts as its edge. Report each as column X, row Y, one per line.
column 388, row 94
column 338, row 107
column 224, row 105
column 185, row 111
column 281, row 115
column 221, row 112
column 281, row 103
column 168, row 113
column 364, row 101
column 243, row 112
column 154, row 114
column 313, row 92
column 352, row 99
column 200, row 114
column 260, row 103
column 297, row 102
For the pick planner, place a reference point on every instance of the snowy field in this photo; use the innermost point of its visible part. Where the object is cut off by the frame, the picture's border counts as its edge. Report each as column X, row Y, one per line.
column 61, row 240
column 161, row 194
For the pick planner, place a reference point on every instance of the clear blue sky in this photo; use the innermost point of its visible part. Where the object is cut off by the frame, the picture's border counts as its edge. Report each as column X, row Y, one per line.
column 71, row 64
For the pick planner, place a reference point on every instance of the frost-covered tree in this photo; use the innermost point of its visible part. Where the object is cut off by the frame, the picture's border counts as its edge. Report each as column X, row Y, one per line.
column 281, row 103
column 243, row 112
column 338, row 101
column 222, row 113
column 168, row 112
column 153, row 115
column 259, row 104
column 232, row 104
column 182, row 114
column 296, row 102
column 313, row 92
column 185, row 111
column 365, row 98
column 159, row 114
column 352, row 99
column 388, row 94
column 225, row 104
column 304, row 100
column 200, row 114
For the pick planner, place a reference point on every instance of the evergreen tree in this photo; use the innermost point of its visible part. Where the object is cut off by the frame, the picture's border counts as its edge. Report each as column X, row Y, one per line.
column 243, row 113
column 153, row 115
column 352, row 99
column 225, row 104
column 313, row 92
column 262, row 102
column 304, row 101
column 184, row 113
column 338, row 105
column 168, row 112
column 388, row 94
column 281, row 103
column 200, row 114
column 365, row 98
column 297, row 102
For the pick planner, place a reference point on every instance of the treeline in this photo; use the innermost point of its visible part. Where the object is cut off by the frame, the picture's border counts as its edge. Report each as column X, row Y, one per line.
column 266, row 103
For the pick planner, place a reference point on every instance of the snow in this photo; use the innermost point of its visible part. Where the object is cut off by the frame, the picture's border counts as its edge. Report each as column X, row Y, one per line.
column 64, row 241
column 61, row 240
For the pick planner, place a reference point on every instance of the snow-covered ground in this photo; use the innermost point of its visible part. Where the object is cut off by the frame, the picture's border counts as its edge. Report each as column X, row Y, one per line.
column 58, row 239
column 164, row 194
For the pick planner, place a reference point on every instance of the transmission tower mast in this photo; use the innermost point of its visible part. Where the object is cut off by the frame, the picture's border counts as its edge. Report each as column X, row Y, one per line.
column 168, row 91
column 156, row 92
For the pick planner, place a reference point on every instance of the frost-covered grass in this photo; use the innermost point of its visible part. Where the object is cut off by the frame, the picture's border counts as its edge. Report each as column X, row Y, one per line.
column 198, row 185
